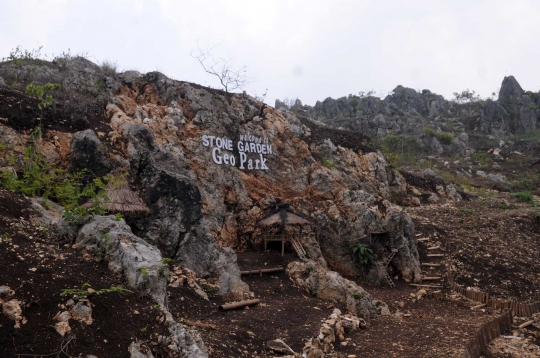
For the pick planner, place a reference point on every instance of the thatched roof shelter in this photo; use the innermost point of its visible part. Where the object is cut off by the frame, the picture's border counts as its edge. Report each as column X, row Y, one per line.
column 121, row 199
column 283, row 216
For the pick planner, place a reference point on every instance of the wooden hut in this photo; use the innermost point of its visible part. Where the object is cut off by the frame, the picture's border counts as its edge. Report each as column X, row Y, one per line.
column 121, row 199
column 283, row 217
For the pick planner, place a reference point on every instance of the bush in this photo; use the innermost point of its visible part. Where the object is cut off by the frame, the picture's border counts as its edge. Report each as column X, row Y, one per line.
column 445, row 138
column 363, row 253
column 430, row 131
column 41, row 178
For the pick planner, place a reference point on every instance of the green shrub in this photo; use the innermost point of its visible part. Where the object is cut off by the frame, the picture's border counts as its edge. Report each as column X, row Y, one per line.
column 41, row 93
column 523, row 196
column 41, row 178
column 167, row 261
column 392, row 160
column 430, row 131
column 363, row 253
column 445, row 138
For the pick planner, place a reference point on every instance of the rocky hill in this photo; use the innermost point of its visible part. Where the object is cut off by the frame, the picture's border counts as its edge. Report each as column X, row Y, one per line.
column 206, row 165
column 439, row 126
column 143, row 196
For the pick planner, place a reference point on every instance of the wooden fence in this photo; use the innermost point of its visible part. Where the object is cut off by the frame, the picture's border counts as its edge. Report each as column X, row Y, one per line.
column 488, row 332
column 492, row 329
column 518, row 309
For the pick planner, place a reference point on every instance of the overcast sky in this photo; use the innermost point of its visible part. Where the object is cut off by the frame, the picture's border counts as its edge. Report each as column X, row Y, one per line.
column 306, row 49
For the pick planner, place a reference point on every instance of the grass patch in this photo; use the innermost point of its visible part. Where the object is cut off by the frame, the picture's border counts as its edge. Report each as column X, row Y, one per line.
column 109, row 68
column 330, row 164
column 523, row 195
column 531, row 135
column 443, row 137
column 450, row 177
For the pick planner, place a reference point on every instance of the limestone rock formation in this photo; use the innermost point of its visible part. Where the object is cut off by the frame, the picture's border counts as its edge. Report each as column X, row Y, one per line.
column 329, row 285
column 87, row 152
column 183, row 148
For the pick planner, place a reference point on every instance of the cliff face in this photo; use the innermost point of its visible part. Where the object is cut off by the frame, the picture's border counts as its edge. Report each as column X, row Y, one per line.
column 209, row 164
column 345, row 192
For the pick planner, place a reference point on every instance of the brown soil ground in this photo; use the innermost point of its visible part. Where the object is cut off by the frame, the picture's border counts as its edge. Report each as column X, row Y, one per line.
column 66, row 115
column 285, row 312
column 295, row 316
column 38, row 267
column 435, row 328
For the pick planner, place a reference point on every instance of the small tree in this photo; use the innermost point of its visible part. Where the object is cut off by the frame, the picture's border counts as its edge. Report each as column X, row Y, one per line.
column 466, row 96
column 229, row 76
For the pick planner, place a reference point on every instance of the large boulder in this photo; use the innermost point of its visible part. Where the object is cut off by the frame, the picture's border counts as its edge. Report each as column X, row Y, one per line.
column 329, row 285
column 126, row 253
column 88, row 153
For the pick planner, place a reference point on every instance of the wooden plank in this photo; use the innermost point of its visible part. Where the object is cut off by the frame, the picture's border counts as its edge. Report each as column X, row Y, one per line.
column 424, row 239
column 526, row 324
column 478, row 306
column 428, row 286
column 434, row 248
column 434, row 278
column 431, row 265
column 435, row 255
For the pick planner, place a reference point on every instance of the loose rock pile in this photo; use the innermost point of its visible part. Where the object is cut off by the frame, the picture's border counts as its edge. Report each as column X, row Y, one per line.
column 80, row 311
column 11, row 309
column 182, row 276
column 333, row 328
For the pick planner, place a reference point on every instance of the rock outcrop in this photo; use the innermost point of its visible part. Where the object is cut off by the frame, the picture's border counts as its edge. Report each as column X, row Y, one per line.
column 329, row 285
column 409, row 112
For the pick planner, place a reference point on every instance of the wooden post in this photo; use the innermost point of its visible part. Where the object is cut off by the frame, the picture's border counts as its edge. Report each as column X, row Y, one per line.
column 265, row 242
column 282, row 247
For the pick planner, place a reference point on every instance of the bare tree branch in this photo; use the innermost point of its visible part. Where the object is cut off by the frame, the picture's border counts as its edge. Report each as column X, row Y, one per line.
column 231, row 78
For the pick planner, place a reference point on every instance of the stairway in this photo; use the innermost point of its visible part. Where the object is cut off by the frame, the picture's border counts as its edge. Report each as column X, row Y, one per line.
column 435, row 270
column 298, row 248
